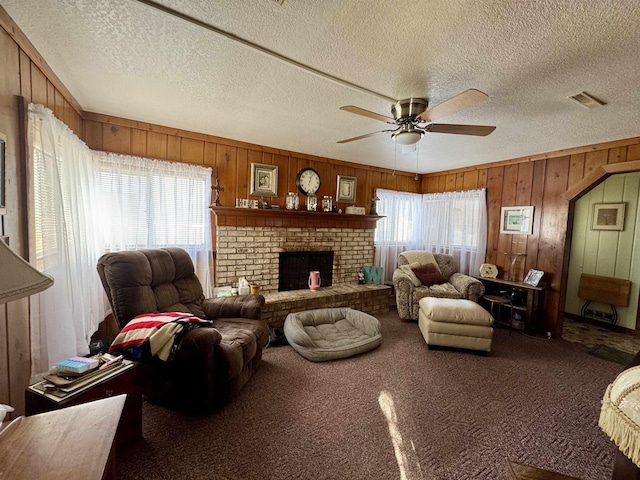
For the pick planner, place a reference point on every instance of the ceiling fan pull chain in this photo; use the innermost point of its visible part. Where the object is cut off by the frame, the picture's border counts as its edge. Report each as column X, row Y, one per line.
column 395, row 158
column 417, row 156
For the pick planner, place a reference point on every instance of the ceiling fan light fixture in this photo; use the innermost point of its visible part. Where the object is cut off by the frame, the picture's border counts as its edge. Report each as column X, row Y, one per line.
column 407, row 137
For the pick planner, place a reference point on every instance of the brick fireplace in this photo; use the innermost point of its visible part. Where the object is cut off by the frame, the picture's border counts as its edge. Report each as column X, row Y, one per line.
column 249, row 241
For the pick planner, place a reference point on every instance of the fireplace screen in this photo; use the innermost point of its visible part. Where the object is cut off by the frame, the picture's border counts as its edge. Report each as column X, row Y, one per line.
column 294, row 268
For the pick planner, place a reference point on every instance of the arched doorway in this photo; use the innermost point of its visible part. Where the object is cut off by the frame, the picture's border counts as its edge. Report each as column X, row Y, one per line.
column 595, row 178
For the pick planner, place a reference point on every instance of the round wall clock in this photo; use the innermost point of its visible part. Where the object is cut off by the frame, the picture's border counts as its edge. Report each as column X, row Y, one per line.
column 308, row 181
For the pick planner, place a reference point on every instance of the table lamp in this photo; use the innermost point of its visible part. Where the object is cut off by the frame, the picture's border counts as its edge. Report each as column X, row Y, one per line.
column 19, row 279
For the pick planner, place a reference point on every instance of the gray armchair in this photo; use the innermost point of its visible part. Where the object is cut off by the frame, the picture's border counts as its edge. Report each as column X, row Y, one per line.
column 409, row 292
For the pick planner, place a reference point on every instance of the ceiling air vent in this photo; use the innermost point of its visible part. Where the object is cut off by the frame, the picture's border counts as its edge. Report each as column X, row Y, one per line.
column 279, row 2
column 586, row 100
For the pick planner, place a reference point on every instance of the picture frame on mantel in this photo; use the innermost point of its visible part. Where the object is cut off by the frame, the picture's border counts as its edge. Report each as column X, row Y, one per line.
column 3, row 194
column 608, row 216
column 516, row 220
column 264, row 180
column 346, row 189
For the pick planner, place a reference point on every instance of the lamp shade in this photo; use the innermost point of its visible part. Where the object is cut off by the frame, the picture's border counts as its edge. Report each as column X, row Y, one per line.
column 18, row 279
column 408, row 138
column 408, row 135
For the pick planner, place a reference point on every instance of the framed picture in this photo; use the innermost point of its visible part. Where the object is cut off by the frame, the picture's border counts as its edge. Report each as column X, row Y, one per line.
column 608, row 216
column 346, row 189
column 3, row 145
column 533, row 277
column 516, row 220
column 264, row 180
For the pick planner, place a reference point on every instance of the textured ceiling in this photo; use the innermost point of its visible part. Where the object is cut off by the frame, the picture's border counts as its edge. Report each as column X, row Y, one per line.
column 128, row 59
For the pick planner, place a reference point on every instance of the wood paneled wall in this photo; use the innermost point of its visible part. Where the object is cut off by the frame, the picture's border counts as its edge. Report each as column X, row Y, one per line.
column 232, row 160
column 23, row 73
column 539, row 181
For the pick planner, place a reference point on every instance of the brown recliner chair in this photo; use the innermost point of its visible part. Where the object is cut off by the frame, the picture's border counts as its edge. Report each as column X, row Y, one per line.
column 212, row 363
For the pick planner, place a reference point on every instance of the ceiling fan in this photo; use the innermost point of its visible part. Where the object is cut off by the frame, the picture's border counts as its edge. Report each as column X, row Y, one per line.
column 413, row 118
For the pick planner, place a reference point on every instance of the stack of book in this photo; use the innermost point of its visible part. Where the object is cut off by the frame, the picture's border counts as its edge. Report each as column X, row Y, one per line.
column 76, row 374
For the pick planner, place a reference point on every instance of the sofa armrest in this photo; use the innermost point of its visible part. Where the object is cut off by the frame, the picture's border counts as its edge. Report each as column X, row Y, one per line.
column 400, row 276
column 237, row 306
column 403, row 287
column 471, row 288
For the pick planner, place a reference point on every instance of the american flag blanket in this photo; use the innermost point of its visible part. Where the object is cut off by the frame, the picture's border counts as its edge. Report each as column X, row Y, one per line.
column 155, row 334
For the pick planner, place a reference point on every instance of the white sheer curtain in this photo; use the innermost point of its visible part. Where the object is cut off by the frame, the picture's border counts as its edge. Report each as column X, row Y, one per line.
column 455, row 223
column 399, row 231
column 152, row 204
column 65, row 244
column 83, row 203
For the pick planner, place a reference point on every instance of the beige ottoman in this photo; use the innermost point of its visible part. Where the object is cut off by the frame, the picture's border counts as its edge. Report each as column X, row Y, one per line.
column 456, row 323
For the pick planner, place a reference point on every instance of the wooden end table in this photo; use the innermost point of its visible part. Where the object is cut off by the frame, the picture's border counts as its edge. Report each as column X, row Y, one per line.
column 127, row 381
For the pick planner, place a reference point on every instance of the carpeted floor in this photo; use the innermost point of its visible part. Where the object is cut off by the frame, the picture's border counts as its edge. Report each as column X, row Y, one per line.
column 399, row 412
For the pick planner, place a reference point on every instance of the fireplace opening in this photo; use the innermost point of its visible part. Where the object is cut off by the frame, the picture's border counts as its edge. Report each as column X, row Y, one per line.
column 294, row 268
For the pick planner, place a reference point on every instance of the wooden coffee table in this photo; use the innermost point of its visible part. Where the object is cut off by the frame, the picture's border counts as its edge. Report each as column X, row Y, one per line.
column 518, row 471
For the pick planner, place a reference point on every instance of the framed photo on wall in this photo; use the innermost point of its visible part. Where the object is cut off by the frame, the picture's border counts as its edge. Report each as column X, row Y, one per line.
column 3, row 146
column 608, row 216
column 264, row 180
column 516, row 220
column 346, row 189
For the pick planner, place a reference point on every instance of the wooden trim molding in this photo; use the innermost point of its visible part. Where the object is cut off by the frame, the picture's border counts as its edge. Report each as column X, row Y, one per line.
column 257, row 217
column 598, row 175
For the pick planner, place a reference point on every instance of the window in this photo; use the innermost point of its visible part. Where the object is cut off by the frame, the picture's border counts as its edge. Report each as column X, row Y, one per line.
column 453, row 223
column 153, row 204
column 83, row 203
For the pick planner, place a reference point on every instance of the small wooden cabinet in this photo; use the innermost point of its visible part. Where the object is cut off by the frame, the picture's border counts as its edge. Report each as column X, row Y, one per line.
column 127, row 382
column 526, row 299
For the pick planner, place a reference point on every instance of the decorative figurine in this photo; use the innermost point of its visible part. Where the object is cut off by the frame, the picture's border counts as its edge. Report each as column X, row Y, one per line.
column 216, row 193
column 374, row 205
column 361, row 277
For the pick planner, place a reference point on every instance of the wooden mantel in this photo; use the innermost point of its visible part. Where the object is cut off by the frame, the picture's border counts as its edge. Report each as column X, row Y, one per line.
column 264, row 217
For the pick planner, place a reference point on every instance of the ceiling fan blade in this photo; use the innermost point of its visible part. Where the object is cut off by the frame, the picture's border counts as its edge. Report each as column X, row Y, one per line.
column 364, row 136
column 367, row 113
column 462, row 100
column 477, row 130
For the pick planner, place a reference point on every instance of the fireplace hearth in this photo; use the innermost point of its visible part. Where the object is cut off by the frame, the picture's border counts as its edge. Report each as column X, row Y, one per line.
column 294, row 268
